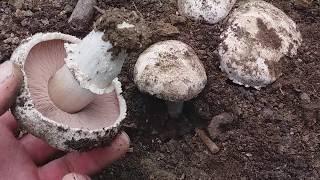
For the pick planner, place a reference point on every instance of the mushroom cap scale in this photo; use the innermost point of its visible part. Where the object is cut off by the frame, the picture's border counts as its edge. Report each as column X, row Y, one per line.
column 212, row 11
column 39, row 58
column 258, row 35
column 171, row 71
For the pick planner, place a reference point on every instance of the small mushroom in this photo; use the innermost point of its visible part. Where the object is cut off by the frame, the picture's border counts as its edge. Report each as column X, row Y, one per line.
column 211, row 11
column 42, row 60
column 258, row 35
column 170, row 70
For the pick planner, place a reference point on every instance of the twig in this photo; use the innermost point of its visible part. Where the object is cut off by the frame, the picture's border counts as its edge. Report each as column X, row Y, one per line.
column 207, row 141
column 82, row 14
column 135, row 7
column 101, row 11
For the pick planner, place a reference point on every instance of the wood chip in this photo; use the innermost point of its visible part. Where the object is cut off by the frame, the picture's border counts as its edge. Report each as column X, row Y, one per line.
column 82, row 15
column 207, row 141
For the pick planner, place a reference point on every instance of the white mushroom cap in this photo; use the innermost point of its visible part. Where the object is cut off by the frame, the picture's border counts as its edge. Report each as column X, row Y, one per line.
column 170, row 70
column 212, row 11
column 257, row 37
column 97, row 124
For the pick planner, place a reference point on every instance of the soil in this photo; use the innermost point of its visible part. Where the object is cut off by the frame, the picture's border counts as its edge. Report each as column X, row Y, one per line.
column 274, row 134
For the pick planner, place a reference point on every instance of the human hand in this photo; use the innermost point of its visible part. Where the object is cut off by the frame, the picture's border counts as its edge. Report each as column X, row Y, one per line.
column 28, row 158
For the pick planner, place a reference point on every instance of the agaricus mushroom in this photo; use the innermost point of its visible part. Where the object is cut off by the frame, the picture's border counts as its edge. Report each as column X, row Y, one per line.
column 70, row 95
column 211, row 11
column 170, row 70
column 40, row 58
column 258, row 35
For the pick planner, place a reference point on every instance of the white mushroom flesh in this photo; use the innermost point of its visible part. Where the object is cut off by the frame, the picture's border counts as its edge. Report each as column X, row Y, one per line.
column 93, row 63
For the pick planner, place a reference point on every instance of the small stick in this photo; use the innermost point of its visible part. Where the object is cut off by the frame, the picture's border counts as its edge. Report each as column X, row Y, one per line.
column 207, row 141
column 134, row 5
column 82, row 15
column 101, row 11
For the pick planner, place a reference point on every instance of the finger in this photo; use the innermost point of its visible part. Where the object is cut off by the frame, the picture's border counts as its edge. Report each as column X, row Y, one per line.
column 74, row 176
column 87, row 162
column 39, row 151
column 10, row 80
column 8, row 121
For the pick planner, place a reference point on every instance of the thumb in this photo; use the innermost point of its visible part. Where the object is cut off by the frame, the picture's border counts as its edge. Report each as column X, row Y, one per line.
column 10, row 80
column 74, row 176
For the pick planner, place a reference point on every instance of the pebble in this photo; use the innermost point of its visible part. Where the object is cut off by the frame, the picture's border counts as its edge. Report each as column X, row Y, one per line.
column 305, row 98
column 175, row 19
column 18, row 4
column 267, row 113
column 21, row 13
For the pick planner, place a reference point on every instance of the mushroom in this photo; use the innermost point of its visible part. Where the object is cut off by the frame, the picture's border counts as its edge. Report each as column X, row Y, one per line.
column 258, row 35
column 71, row 96
column 211, row 11
column 42, row 61
column 170, row 70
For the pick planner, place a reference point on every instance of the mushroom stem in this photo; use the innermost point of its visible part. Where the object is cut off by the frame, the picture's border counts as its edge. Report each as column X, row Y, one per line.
column 66, row 93
column 174, row 108
column 91, row 66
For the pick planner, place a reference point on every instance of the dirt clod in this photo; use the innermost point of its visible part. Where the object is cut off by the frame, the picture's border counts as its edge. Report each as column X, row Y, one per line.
column 140, row 33
column 214, row 128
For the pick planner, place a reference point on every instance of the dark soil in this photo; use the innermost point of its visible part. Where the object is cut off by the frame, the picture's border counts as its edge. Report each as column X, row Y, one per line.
column 275, row 132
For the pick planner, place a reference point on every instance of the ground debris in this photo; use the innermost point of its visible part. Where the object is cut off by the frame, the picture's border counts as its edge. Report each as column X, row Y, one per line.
column 207, row 141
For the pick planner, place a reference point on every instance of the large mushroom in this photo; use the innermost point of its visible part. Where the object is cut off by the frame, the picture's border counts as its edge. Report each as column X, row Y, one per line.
column 44, row 110
column 258, row 35
column 70, row 95
column 170, row 70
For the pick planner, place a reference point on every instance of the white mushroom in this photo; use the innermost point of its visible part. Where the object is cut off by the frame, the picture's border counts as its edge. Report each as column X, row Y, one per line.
column 258, row 35
column 170, row 70
column 211, row 11
column 40, row 57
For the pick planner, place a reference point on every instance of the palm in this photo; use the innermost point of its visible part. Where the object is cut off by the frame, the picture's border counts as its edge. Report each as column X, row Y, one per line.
column 16, row 163
column 27, row 158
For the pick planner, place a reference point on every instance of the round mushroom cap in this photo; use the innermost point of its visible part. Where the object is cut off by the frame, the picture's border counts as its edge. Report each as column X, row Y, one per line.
column 211, row 11
column 171, row 71
column 258, row 35
column 39, row 57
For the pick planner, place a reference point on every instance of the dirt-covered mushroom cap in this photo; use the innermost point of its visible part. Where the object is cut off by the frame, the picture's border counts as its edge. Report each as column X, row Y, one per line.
column 39, row 57
column 258, row 35
column 211, row 11
column 170, row 70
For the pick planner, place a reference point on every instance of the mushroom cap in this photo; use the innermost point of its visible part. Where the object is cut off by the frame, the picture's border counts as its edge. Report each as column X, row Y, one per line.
column 211, row 11
column 170, row 70
column 39, row 57
column 258, row 35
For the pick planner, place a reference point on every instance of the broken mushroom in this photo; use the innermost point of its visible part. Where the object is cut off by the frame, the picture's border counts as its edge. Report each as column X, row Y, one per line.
column 211, row 11
column 170, row 70
column 258, row 35
column 42, row 61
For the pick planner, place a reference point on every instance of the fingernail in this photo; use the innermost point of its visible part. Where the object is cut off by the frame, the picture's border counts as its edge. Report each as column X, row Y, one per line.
column 125, row 136
column 74, row 176
column 6, row 70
